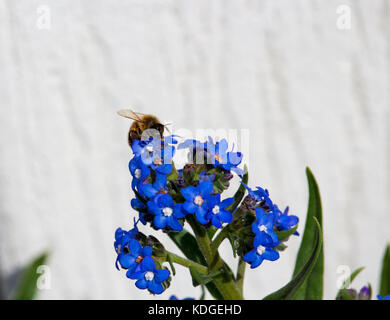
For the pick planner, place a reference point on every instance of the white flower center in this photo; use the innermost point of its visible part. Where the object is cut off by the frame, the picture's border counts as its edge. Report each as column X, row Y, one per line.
column 137, row 173
column 263, row 228
column 215, row 210
column 260, row 250
column 149, row 276
column 198, row 200
column 167, row 211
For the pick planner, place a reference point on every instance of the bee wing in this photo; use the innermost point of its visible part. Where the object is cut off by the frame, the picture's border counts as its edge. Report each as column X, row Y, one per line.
column 130, row 114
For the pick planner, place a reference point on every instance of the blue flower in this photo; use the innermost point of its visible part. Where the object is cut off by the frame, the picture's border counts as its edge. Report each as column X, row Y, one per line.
column 150, row 190
column 173, row 297
column 260, row 195
column 283, row 221
column 204, row 176
column 383, row 298
column 166, row 212
column 138, row 205
column 138, row 170
column 221, row 157
column 263, row 250
column 149, row 277
column 264, row 224
column 155, row 153
column 217, row 212
column 121, row 244
column 198, row 200
column 133, row 256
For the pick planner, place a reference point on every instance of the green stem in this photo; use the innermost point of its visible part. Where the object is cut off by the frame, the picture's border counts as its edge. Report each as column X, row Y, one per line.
column 240, row 274
column 219, row 239
column 224, row 282
column 187, row 263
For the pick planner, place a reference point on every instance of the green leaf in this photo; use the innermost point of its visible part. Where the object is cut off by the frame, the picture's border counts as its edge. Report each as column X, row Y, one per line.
column 27, row 287
column 203, row 295
column 202, row 279
column 240, row 192
column 169, row 258
column 174, row 174
column 283, row 235
column 312, row 289
column 385, row 274
column 348, row 281
column 290, row 290
column 211, row 232
column 188, row 245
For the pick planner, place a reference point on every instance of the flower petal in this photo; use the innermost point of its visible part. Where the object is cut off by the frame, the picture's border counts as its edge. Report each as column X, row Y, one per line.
column 160, row 221
column 189, row 193
column 161, row 275
column 141, row 284
column 155, row 287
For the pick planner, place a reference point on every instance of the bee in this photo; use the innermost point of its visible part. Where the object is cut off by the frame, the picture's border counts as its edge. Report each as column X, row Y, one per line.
column 141, row 123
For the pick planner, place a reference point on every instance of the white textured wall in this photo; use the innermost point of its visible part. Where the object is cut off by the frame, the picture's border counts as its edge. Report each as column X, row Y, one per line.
column 310, row 94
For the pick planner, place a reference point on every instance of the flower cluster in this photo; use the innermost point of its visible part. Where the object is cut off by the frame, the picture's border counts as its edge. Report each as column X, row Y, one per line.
column 165, row 198
column 138, row 261
column 266, row 220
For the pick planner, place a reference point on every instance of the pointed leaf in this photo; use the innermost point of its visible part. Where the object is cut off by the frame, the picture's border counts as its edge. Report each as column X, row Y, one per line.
column 290, row 290
column 385, row 274
column 202, row 279
column 312, row 289
column 27, row 287
column 348, row 281
column 283, row 235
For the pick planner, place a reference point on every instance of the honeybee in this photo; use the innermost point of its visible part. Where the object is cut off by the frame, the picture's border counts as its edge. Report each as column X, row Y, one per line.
column 141, row 123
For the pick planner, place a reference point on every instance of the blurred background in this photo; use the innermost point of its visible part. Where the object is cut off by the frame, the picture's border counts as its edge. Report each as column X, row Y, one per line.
column 308, row 79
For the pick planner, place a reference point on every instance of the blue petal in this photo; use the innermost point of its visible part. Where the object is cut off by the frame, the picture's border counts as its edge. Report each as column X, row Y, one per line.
column 148, row 190
column 225, row 216
column 141, row 284
column 161, row 275
column 271, row 255
column 189, row 193
column 178, row 211
column 146, row 251
column 190, row 206
column 165, row 201
column 136, row 275
column 262, row 239
column 200, row 215
column 126, row 260
column 155, row 287
column 134, row 247
column 148, row 264
column 257, row 262
column 205, row 187
column 227, row 202
column 153, row 207
column 160, row 221
column 216, row 221
column 250, row 256
column 174, row 224
column 161, row 182
column 164, row 169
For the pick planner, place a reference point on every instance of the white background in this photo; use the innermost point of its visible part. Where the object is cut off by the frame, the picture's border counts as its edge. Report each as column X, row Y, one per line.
column 309, row 93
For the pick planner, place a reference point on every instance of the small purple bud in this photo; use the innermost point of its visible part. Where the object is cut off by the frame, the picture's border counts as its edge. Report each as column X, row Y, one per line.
column 365, row 293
